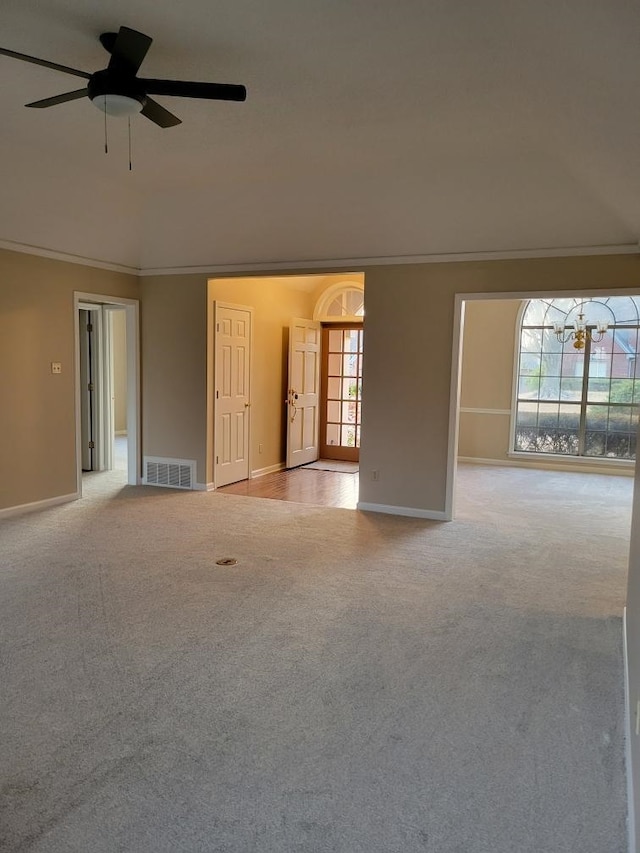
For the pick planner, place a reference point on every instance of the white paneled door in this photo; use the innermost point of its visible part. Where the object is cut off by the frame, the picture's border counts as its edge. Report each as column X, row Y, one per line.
column 303, row 392
column 232, row 402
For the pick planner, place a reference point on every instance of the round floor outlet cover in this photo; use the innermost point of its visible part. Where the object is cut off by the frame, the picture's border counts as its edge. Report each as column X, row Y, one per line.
column 227, row 561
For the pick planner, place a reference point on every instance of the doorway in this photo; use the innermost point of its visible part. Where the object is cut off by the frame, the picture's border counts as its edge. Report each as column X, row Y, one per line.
column 341, row 391
column 488, row 380
column 107, row 386
column 283, row 403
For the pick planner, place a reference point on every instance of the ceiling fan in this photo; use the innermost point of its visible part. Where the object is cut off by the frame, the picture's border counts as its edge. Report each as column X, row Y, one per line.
column 117, row 90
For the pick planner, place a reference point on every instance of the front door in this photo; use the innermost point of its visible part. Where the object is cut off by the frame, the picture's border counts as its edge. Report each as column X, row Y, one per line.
column 341, row 392
column 232, row 374
column 303, row 392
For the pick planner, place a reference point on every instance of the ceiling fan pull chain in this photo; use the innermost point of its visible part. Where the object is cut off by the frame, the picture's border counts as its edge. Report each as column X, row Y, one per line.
column 106, row 143
column 129, row 119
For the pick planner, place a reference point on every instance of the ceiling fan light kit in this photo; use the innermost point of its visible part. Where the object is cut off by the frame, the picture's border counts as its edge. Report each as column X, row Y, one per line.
column 118, row 91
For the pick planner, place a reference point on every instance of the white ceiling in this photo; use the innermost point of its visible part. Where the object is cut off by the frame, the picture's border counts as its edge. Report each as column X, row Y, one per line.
column 371, row 129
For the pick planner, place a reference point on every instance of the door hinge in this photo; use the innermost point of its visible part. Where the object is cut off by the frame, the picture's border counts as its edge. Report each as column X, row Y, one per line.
column 90, row 387
column 92, row 445
column 217, row 327
column 89, row 327
column 217, row 394
column 217, row 458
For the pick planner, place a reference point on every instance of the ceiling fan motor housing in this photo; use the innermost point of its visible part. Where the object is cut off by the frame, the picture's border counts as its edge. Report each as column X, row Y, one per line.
column 106, row 88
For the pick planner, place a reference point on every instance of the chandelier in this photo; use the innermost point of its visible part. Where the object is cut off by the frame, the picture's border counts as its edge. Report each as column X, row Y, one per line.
column 580, row 332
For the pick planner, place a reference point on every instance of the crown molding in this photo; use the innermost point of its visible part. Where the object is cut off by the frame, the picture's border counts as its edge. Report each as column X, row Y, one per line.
column 335, row 264
column 66, row 257
column 330, row 264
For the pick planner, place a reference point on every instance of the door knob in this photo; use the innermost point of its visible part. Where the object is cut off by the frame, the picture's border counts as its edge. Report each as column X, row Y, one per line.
column 246, row 405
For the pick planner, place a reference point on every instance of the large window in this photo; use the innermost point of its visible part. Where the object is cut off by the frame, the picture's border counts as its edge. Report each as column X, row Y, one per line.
column 579, row 402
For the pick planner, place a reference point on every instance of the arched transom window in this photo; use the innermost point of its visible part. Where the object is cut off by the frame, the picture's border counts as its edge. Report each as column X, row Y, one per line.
column 579, row 401
column 341, row 303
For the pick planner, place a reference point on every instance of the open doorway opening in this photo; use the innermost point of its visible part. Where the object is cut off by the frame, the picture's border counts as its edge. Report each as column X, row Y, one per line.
column 107, row 387
column 284, row 413
column 525, row 397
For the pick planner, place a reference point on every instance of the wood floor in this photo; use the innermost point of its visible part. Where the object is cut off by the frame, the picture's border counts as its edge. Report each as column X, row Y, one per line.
column 301, row 485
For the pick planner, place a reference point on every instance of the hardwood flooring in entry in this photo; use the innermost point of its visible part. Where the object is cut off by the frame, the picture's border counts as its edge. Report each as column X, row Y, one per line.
column 307, row 486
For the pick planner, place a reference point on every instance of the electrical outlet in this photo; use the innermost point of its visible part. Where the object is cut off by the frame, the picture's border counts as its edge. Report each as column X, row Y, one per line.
column 375, row 475
column 56, row 367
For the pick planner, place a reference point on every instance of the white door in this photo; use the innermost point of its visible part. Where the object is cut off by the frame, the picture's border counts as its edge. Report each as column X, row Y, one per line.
column 303, row 392
column 232, row 373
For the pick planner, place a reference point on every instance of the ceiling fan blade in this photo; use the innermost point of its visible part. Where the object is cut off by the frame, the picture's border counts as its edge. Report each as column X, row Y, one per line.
column 187, row 89
column 59, row 99
column 128, row 50
column 163, row 118
column 35, row 61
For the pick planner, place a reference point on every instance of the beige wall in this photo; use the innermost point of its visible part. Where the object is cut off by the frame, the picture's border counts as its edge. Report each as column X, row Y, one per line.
column 37, row 408
column 488, row 350
column 174, row 367
column 177, row 354
column 407, row 364
column 407, row 374
column 119, row 321
column 408, row 358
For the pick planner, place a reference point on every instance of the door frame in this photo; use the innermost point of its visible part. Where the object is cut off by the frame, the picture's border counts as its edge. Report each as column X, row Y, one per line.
column 98, row 302
column 345, row 454
column 213, row 384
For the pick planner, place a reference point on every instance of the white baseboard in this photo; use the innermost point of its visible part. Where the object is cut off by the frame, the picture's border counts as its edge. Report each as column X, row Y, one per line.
column 204, row 487
column 628, row 716
column 550, row 466
column 10, row 511
column 409, row 511
column 270, row 469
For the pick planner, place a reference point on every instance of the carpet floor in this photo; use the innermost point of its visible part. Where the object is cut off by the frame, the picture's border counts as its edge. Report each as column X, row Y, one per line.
column 356, row 683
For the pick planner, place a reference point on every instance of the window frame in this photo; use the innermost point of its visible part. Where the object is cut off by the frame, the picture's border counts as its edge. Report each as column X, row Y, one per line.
column 537, row 457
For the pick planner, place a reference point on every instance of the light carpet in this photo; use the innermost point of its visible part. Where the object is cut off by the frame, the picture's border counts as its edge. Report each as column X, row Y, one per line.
column 357, row 683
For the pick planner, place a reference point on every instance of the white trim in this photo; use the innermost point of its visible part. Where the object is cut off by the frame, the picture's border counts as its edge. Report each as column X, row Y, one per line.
column 596, row 462
column 454, row 406
column 527, row 295
column 472, row 411
column 515, row 373
column 390, row 260
column 631, row 816
column 551, row 465
column 270, row 469
column 10, row 511
column 66, row 257
column 203, row 487
column 214, row 269
column 408, row 511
